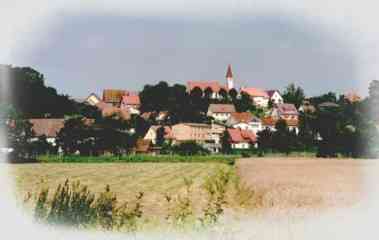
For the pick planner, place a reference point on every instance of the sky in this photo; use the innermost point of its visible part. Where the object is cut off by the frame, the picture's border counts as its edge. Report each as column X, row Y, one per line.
column 83, row 48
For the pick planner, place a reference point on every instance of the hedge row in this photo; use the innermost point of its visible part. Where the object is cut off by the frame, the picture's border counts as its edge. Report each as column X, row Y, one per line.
column 137, row 158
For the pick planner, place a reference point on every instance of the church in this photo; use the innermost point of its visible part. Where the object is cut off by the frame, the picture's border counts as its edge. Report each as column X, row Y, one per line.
column 214, row 87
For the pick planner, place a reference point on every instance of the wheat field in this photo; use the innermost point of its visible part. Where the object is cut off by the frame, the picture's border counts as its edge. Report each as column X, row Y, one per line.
column 155, row 180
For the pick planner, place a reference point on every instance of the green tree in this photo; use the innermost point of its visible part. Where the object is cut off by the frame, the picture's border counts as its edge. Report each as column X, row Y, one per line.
column 265, row 140
column 233, row 94
column 244, row 103
column 224, row 95
column 189, row 148
column 160, row 136
column 294, row 95
column 328, row 97
column 225, row 143
column 112, row 135
column 19, row 138
column 282, row 137
column 75, row 136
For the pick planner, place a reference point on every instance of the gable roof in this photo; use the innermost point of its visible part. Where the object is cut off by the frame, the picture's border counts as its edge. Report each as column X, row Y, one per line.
column 47, row 126
column 238, row 135
column 270, row 93
column 221, row 108
column 203, row 85
column 130, row 99
column 243, row 117
column 271, row 122
column 92, row 97
column 287, row 109
column 255, row 92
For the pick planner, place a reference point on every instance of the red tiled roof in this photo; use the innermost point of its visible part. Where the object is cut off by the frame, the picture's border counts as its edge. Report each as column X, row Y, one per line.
column 255, row 92
column 242, row 117
column 238, row 135
column 130, row 100
column 47, row 126
column 203, row 85
column 287, row 109
column 222, row 108
column 269, row 121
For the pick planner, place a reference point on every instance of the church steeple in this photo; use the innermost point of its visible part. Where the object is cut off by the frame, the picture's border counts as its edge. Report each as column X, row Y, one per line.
column 229, row 77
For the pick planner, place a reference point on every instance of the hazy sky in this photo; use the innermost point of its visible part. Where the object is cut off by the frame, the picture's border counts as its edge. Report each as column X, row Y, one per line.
column 86, row 51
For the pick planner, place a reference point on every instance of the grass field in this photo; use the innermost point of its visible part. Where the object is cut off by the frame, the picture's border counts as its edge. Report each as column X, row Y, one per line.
column 125, row 179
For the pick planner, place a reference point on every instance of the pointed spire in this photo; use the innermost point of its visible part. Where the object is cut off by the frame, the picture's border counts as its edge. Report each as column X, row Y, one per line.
column 229, row 73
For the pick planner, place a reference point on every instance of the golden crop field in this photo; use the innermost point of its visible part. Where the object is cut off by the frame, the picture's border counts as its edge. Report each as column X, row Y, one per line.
column 284, row 183
column 125, row 179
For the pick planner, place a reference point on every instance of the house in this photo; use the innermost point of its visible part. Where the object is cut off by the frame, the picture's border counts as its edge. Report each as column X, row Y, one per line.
column 208, row 136
column 198, row 132
column 113, row 96
column 93, row 99
column 48, row 127
column 217, row 132
column 286, row 111
column 241, row 139
column 269, row 122
column 131, row 102
column 151, row 134
column 259, row 97
column 274, row 96
column 245, row 121
column 220, row 112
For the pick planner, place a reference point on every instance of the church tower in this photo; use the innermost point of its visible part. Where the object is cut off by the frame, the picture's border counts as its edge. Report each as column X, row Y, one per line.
column 229, row 78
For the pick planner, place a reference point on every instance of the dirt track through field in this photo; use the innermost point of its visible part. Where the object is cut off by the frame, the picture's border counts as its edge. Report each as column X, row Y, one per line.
column 285, row 183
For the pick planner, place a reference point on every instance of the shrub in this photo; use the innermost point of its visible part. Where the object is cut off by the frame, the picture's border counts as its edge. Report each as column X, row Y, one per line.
column 190, row 148
column 180, row 208
column 215, row 186
column 74, row 205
